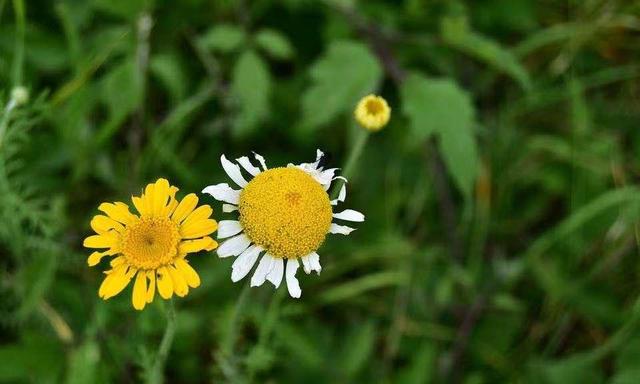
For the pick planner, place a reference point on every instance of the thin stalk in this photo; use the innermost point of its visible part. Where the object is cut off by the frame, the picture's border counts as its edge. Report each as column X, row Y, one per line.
column 228, row 345
column 362, row 136
column 157, row 372
column 18, row 58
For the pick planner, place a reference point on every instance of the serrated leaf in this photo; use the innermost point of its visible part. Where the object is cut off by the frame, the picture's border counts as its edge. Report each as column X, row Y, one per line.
column 223, row 38
column 250, row 87
column 274, row 43
column 439, row 106
column 456, row 33
column 344, row 74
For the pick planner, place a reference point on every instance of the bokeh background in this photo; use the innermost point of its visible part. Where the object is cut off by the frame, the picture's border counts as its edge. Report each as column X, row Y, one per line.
column 502, row 232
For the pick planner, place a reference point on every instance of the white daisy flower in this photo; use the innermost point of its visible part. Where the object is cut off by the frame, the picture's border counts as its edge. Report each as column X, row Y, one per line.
column 284, row 215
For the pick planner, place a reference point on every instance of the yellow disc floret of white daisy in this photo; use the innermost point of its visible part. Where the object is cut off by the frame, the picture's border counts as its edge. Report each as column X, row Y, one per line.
column 284, row 213
column 372, row 112
column 151, row 246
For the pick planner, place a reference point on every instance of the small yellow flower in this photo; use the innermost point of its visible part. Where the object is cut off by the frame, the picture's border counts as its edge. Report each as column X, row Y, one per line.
column 372, row 112
column 151, row 246
column 285, row 213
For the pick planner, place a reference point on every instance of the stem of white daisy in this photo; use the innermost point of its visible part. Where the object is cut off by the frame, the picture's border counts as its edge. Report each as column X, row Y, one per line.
column 228, row 345
column 157, row 371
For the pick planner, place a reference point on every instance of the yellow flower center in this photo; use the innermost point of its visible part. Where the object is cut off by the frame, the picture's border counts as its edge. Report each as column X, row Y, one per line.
column 150, row 242
column 374, row 106
column 285, row 211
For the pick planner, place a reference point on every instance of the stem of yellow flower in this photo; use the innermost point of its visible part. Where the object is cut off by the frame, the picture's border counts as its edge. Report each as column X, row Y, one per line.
column 157, row 371
column 354, row 154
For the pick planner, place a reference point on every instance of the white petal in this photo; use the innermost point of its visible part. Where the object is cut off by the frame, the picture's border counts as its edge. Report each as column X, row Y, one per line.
column 233, row 170
column 342, row 195
column 227, row 228
column 243, row 263
column 226, row 208
column 234, row 246
column 261, row 161
column 292, row 283
column 314, row 262
column 325, row 177
column 246, row 164
column 222, row 192
column 275, row 276
column 347, row 214
column 340, row 229
column 306, row 264
column 264, row 267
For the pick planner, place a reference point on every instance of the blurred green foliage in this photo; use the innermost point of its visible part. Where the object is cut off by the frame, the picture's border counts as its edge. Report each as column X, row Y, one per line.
column 502, row 231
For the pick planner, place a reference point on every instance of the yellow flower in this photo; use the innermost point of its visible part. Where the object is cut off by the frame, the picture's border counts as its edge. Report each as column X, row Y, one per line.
column 372, row 112
column 285, row 213
column 151, row 246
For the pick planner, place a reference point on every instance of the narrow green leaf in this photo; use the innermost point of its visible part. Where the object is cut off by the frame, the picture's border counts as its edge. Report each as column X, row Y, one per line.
column 456, row 33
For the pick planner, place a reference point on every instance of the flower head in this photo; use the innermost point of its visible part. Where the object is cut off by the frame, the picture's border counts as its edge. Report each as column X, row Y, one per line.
column 151, row 246
column 372, row 112
column 285, row 213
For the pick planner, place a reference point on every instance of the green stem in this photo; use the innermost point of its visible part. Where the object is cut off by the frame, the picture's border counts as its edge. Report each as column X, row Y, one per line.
column 18, row 58
column 354, row 155
column 157, row 373
column 228, row 345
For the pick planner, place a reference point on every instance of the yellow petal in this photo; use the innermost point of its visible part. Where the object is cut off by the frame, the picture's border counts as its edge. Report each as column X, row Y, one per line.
column 179, row 285
column 186, row 206
column 164, row 282
column 191, row 246
column 117, row 261
column 102, row 224
column 139, row 297
column 141, row 205
column 117, row 211
column 151, row 290
column 106, row 240
column 96, row 256
column 116, row 280
column 189, row 274
column 201, row 213
column 198, row 229
column 160, row 196
column 173, row 203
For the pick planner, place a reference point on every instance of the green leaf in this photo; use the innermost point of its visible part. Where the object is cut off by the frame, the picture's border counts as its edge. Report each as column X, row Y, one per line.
column 274, row 43
column 440, row 107
column 122, row 89
column 457, row 34
column 343, row 75
column 223, row 38
column 167, row 69
column 83, row 363
column 358, row 351
column 421, row 366
column 573, row 369
column 250, row 86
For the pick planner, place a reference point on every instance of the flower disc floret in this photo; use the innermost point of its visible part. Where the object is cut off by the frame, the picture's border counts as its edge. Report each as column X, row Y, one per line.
column 285, row 211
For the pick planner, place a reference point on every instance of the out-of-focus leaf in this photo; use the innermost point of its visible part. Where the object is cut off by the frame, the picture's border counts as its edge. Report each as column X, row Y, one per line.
column 35, row 280
column 127, row 9
column 359, row 349
column 344, row 74
column 168, row 69
column 301, row 345
column 439, row 106
column 455, row 32
column 574, row 369
column 34, row 359
column 363, row 284
column 251, row 87
column 421, row 367
column 223, row 38
column 274, row 43
column 121, row 93
column 83, row 364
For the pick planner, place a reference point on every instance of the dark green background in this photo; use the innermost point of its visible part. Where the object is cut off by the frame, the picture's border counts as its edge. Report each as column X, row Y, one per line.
column 502, row 231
